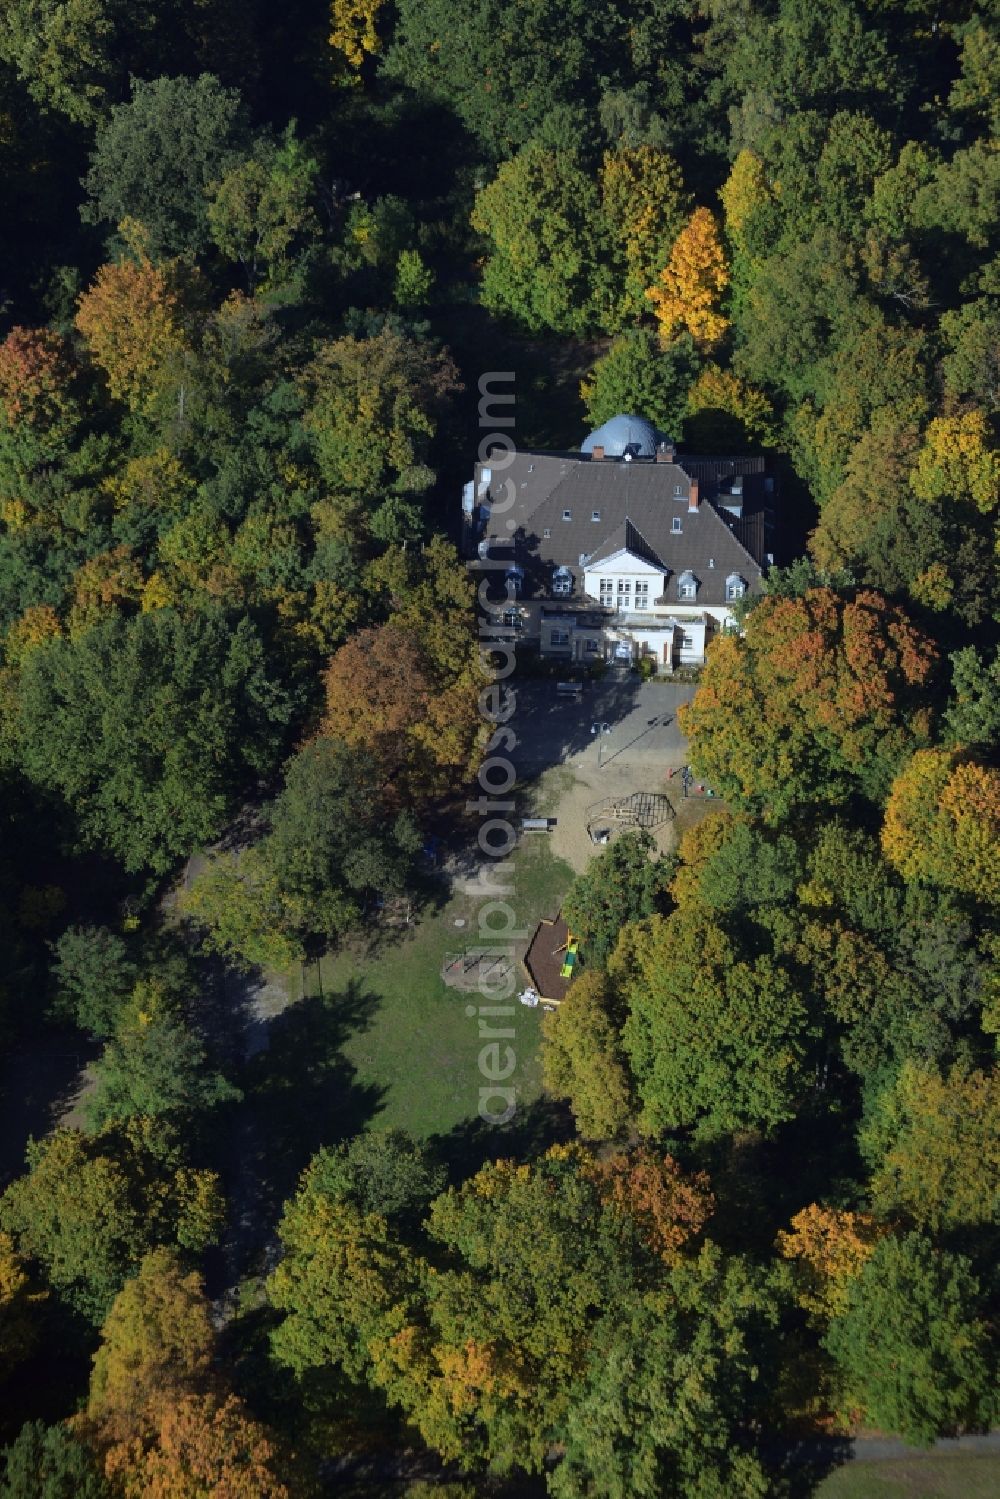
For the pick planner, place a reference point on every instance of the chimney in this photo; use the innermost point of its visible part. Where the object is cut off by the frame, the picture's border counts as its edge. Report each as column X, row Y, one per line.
column 693, row 495
column 665, row 452
column 597, row 453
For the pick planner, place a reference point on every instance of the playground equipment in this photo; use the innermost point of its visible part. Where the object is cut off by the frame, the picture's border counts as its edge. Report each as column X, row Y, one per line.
column 477, row 971
column 643, row 809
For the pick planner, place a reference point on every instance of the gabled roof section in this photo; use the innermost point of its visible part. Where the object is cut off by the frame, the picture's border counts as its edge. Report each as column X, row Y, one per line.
column 559, row 508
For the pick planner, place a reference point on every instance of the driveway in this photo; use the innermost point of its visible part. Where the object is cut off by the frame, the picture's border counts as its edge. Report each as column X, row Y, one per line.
column 642, row 719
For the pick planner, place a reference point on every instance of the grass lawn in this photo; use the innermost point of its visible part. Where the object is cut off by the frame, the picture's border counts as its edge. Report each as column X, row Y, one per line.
column 972, row 1476
column 413, row 1053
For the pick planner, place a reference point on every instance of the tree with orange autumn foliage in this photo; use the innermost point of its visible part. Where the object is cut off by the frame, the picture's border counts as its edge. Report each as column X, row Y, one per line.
column 36, row 390
column 105, row 582
column 828, row 1247
column 204, row 1449
column 382, row 692
column 942, row 823
column 692, row 282
column 822, row 697
column 668, row 1206
column 37, row 625
column 131, row 320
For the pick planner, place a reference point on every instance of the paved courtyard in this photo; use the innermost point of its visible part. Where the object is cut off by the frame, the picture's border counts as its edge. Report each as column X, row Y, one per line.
column 571, row 772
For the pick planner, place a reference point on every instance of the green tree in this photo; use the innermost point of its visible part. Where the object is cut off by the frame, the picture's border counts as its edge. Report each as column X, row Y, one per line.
column 622, row 884
column 94, row 974
column 717, row 1038
column 63, row 51
column 543, row 61
column 156, row 158
column 414, row 280
column 262, row 208
column 582, row 1060
column 971, row 366
column 638, row 374
column 48, row 1462
column 384, row 1172
column 332, row 839
column 645, row 207
column 676, row 1372
column 148, row 728
column 973, row 716
column 372, row 407
column 89, row 1209
column 241, row 909
column 154, row 1064
column 548, row 263
column 911, row 1347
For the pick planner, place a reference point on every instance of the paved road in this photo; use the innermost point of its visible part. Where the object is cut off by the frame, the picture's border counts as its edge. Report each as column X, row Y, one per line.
column 642, row 718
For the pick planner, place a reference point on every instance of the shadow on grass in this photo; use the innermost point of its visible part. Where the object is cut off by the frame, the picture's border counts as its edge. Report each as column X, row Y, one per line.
column 299, row 1093
column 533, row 1129
column 797, row 1467
column 302, row 1088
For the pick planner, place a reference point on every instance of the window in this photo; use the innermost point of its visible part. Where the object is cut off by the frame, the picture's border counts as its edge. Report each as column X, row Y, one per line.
column 559, row 637
column 641, row 594
column 607, row 590
column 677, row 525
column 562, row 581
column 687, row 641
column 624, row 589
column 590, row 646
column 687, row 587
column 735, row 587
column 547, row 533
column 595, row 515
column 567, row 515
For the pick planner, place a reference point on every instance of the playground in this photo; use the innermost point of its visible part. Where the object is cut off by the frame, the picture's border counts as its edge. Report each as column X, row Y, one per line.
column 628, row 775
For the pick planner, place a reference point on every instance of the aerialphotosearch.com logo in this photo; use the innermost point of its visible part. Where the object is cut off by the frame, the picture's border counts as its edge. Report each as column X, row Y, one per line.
column 497, row 921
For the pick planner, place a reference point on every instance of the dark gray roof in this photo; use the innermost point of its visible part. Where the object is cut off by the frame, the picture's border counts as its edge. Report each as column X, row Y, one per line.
column 623, row 433
column 636, row 504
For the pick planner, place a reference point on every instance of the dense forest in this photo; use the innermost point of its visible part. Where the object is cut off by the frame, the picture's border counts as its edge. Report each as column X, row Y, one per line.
column 255, row 262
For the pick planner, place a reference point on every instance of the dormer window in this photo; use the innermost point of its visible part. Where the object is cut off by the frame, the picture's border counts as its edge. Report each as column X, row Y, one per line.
column 595, row 515
column 677, row 525
column 735, row 587
column 687, row 586
column 567, row 515
column 547, row 533
column 678, row 489
column 562, row 581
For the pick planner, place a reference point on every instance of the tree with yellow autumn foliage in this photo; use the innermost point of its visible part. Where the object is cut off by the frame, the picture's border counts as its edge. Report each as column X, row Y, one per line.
column 828, row 1247
column 726, row 414
column 692, row 282
column 959, row 460
column 354, row 36
column 942, row 823
column 644, row 203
